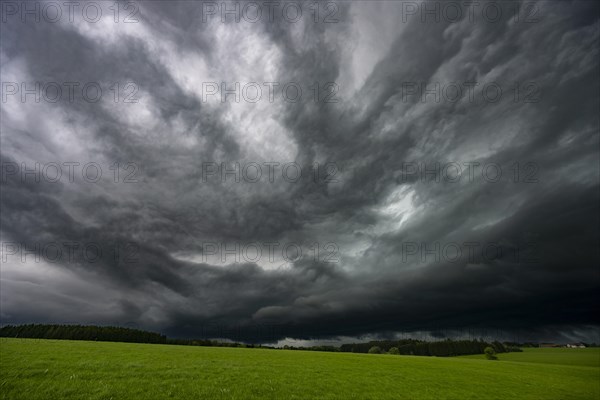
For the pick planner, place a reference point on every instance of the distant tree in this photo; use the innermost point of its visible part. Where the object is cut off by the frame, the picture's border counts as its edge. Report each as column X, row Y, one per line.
column 498, row 347
column 394, row 350
column 490, row 353
column 81, row 332
column 375, row 350
column 408, row 348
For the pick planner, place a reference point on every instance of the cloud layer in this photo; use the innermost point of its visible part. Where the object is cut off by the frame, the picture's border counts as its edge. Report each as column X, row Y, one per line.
column 457, row 183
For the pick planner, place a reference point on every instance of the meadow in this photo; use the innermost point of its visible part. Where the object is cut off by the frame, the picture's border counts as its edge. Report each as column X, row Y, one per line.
column 588, row 357
column 51, row 369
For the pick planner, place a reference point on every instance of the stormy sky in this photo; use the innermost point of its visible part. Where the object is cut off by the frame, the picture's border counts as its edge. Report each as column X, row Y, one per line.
column 299, row 170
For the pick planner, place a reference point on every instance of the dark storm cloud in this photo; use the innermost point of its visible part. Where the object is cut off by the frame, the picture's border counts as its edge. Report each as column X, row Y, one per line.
column 379, row 213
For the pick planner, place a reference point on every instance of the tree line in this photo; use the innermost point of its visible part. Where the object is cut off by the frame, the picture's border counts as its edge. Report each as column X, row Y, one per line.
column 82, row 332
column 442, row 348
column 106, row 334
column 213, row 343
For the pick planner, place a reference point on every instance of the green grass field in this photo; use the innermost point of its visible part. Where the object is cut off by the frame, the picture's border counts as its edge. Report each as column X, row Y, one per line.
column 49, row 369
column 589, row 357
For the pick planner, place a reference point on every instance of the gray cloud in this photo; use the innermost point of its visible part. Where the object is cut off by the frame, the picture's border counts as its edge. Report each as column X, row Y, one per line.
column 533, row 231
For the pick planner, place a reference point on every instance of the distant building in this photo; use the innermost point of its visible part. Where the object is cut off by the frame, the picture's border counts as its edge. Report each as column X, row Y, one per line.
column 576, row 346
